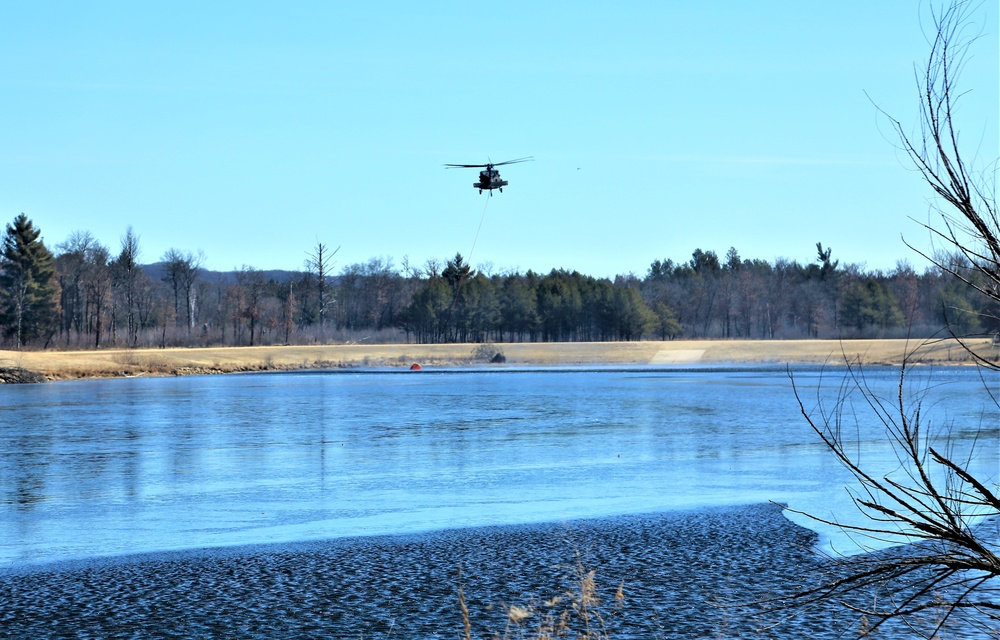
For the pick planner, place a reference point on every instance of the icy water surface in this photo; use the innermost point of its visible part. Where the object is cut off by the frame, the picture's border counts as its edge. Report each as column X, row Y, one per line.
column 400, row 477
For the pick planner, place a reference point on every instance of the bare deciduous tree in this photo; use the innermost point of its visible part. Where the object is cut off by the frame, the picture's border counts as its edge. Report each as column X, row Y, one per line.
column 319, row 265
column 182, row 271
column 952, row 569
column 97, row 284
column 71, row 267
column 250, row 283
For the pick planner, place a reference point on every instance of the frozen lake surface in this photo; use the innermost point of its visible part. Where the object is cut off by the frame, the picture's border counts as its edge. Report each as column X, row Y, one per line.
column 108, row 469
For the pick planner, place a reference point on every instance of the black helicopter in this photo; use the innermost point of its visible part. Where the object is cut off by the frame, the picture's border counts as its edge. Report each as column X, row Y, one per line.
column 489, row 178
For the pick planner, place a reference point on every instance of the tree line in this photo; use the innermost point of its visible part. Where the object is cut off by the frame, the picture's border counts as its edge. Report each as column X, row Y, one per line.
column 85, row 294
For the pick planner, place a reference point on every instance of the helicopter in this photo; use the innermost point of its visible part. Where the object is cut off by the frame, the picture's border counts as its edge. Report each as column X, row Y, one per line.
column 489, row 178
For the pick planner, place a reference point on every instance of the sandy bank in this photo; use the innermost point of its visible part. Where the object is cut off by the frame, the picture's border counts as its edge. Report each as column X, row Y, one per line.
column 62, row 365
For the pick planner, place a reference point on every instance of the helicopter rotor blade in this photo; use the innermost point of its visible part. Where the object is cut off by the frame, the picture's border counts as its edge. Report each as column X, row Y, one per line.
column 526, row 159
column 488, row 164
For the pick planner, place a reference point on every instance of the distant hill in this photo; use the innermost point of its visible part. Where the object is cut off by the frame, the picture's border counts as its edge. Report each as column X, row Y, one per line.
column 158, row 271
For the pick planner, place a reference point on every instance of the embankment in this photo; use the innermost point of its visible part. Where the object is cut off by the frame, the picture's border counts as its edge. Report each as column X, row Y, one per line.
column 64, row 365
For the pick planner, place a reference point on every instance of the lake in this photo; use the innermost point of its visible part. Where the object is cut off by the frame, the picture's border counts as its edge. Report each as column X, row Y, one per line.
column 102, row 480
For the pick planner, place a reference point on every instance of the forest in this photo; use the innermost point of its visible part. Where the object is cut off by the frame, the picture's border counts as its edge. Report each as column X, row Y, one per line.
column 82, row 293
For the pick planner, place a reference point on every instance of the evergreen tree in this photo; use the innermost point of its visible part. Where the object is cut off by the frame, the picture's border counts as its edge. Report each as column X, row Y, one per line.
column 956, row 311
column 666, row 327
column 869, row 304
column 127, row 273
column 29, row 293
column 457, row 272
column 518, row 308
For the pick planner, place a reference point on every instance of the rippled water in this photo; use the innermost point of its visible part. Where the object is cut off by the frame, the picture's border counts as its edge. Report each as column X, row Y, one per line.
column 402, row 477
column 673, row 566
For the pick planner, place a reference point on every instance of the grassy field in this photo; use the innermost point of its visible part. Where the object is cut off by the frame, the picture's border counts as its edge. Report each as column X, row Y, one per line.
column 63, row 365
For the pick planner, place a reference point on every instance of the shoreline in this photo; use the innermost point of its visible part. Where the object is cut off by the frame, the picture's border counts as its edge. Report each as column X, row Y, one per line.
column 202, row 552
column 119, row 363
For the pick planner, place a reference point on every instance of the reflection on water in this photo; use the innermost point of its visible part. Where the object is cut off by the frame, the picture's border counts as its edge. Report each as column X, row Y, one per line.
column 97, row 468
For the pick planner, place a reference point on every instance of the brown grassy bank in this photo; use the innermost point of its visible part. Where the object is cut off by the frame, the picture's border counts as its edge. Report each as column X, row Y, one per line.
column 62, row 365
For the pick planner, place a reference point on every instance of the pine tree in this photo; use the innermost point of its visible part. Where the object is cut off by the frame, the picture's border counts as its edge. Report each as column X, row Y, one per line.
column 29, row 292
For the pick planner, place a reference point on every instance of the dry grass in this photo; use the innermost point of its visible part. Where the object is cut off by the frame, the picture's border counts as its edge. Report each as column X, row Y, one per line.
column 61, row 365
column 578, row 613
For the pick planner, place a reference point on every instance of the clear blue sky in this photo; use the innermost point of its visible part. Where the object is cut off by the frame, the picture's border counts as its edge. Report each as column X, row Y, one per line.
column 252, row 130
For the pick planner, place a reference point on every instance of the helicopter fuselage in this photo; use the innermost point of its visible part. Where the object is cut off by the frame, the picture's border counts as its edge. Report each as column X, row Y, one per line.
column 489, row 179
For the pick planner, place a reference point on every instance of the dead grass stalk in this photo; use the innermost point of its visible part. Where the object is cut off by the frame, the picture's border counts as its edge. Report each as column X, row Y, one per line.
column 578, row 613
